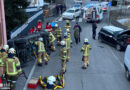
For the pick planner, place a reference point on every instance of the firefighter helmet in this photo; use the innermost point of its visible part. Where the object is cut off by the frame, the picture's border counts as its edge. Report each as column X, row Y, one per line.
column 6, row 47
column 62, row 42
column 85, row 40
column 12, row 50
column 40, row 39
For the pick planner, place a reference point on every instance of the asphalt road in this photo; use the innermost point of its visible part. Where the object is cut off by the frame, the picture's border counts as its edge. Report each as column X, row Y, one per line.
column 106, row 70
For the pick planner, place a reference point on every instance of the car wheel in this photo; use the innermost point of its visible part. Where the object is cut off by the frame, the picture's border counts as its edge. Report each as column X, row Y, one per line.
column 127, row 75
column 118, row 47
column 99, row 38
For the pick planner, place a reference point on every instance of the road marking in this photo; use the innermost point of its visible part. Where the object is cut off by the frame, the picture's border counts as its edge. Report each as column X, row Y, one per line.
column 30, row 75
column 80, row 19
column 73, row 20
column 60, row 19
column 116, row 58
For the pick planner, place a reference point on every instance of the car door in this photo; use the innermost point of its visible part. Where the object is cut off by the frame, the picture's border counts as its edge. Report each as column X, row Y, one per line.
column 111, row 38
column 77, row 12
column 102, row 35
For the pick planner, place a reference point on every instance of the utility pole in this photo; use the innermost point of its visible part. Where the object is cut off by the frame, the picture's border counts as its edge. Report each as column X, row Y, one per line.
column 109, row 12
column 3, row 23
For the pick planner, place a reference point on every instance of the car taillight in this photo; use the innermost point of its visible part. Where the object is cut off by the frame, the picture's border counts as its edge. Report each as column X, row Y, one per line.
column 128, row 42
column 97, row 16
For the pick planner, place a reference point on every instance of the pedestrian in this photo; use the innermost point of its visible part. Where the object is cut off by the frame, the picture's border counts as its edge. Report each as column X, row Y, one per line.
column 61, row 8
column 39, row 25
column 85, row 49
column 57, row 9
column 64, row 7
column 3, row 56
column 48, row 27
column 13, row 68
column 41, row 51
column 63, row 55
column 94, row 27
column 78, row 30
column 52, row 41
column 76, row 35
column 68, row 45
column 58, row 33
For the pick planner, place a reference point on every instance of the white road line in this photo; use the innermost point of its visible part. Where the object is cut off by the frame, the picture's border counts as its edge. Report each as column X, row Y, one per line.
column 60, row 19
column 80, row 19
column 30, row 75
column 117, row 59
column 73, row 20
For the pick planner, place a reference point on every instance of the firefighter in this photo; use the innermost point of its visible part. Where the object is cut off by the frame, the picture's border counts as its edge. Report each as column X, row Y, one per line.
column 86, row 48
column 13, row 69
column 68, row 26
column 3, row 56
column 41, row 51
column 58, row 33
column 51, row 41
column 68, row 45
column 63, row 55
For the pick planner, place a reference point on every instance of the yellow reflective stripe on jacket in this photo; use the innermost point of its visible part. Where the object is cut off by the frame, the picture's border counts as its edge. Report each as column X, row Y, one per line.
column 51, row 37
column 86, row 49
column 18, row 65
column 41, row 47
column 68, row 42
column 14, row 70
column 1, row 62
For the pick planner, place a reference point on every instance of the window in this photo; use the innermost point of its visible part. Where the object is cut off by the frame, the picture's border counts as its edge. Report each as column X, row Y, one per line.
column 76, row 10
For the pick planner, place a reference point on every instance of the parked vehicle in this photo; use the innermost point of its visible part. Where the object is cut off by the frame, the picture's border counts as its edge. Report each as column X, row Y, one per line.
column 115, row 36
column 77, row 6
column 104, row 6
column 88, row 12
column 127, row 62
column 79, row 1
column 71, row 13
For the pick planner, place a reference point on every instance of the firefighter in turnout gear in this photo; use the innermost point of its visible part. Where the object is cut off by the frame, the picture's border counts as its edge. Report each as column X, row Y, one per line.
column 68, row 26
column 68, row 45
column 86, row 49
column 63, row 55
column 58, row 33
column 51, row 41
column 13, row 68
column 3, row 56
column 41, row 51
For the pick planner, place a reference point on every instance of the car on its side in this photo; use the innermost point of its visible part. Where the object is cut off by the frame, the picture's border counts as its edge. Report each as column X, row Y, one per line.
column 127, row 62
column 115, row 36
column 71, row 13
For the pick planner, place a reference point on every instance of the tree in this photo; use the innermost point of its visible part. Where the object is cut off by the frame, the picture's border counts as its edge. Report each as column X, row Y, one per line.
column 15, row 14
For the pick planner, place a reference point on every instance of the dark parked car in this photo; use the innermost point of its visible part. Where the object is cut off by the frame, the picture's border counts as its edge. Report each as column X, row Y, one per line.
column 115, row 36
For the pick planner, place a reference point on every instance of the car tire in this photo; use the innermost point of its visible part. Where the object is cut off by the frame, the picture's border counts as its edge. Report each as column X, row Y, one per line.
column 99, row 39
column 127, row 75
column 118, row 47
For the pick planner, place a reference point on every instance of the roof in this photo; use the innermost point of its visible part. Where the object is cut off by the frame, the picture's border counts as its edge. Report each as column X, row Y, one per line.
column 112, row 28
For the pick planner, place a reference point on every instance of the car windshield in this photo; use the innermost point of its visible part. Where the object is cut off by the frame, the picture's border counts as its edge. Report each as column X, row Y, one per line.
column 70, row 11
